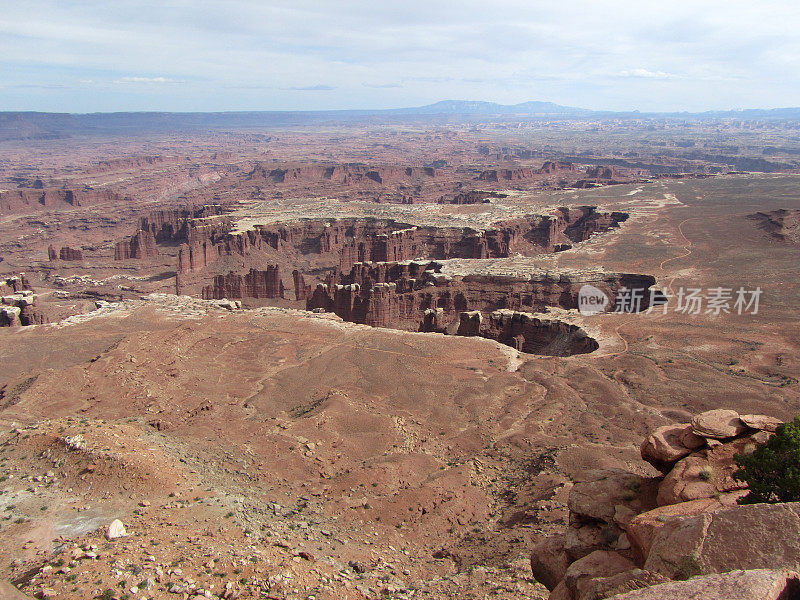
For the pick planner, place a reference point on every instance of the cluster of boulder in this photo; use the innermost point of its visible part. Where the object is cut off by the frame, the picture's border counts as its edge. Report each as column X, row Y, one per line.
column 678, row 535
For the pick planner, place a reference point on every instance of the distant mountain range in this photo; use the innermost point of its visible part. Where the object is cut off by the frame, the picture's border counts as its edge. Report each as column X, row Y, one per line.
column 39, row 125
column 468, row 107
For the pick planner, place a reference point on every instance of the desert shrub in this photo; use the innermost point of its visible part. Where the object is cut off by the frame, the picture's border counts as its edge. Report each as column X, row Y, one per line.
column 706, row 473
column 772, row 469
column 688, row 567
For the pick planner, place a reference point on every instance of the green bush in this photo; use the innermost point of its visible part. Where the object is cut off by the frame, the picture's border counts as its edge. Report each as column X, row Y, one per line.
column 772, row 470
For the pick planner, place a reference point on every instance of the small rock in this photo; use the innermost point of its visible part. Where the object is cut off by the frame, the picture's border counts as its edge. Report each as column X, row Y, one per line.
column 116, row 530
column 306, row 555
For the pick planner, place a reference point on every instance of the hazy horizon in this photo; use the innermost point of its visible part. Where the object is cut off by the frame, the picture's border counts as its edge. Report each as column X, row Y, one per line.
column 396, row 108
column 244, row 55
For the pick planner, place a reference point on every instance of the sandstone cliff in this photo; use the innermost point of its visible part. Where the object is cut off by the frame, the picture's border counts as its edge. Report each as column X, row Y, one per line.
column 66, row 253
column 255, row 284
column 29, row 199
column 141, row 245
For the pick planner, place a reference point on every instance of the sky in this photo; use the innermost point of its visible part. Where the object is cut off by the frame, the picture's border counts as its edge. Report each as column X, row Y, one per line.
column 219, row 55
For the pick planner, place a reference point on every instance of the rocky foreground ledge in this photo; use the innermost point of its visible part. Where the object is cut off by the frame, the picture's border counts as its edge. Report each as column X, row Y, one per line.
column 680, row 535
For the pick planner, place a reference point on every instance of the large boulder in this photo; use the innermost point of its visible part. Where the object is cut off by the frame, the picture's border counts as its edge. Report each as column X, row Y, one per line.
column 597, row 494
column 601, row 563
column 718, row 424
column 549, row 561
column 668, row 444
column 761, row 422
column 605, row 587
column 9, row 592
column 758, row 584
column 601, row 503
column 584, row 538
column 703, row 475
column 643, row 528
column 755, row 536
column 561, row 592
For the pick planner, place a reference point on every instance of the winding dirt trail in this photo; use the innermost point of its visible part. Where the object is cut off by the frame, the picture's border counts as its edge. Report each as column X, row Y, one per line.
column 687, row 247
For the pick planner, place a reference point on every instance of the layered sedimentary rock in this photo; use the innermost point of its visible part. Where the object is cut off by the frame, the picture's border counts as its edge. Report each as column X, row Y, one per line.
column 13, row 284
column 343, row 174
column 416, row 295
column 255, row 284
column 369, row 274
column 17, row 303
column 604, row 172
column 521, row 174
column 141, row 245
column 537, row 334
column 172, row 226
column 415, row 286
column 301, row 290
column 66, row 253
column 348, row 241
column 558, row 166
column 471, row 197
column 30, row 199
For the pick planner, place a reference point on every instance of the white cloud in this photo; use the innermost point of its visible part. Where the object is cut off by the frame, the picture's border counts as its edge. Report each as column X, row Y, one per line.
column 619, row 54
column 146, row 80
column 320, row 87
column 645, row 74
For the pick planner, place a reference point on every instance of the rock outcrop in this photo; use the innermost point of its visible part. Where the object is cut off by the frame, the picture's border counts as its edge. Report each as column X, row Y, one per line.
column 756, row 584
column 627, row 531
column 17, row 303
column 398, row 294
column 341, row 174
column 782, row 225
column 255, row 284
column 141, row 245
column 718, row 424
column 668, row 444
column 348, row 241
column 35, row 200
column 537, row 334
column 337, row 246
column 301, row 290
column 172, row 226
column 521, row 174
column 471, row 197
column 66, row 253
column 752, row 536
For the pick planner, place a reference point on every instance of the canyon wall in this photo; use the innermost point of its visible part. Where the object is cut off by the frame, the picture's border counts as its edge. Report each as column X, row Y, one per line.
column 344, row 242
column 521, row 174
column 66, row 253
column 342, row 174
column 172, row 226
column 399, row 295
column 255, row 284
column 30, row 199
column 536, row 335
column 141, row 245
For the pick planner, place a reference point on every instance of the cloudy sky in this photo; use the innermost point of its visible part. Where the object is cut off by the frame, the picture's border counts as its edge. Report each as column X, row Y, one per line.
column 206, row 55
